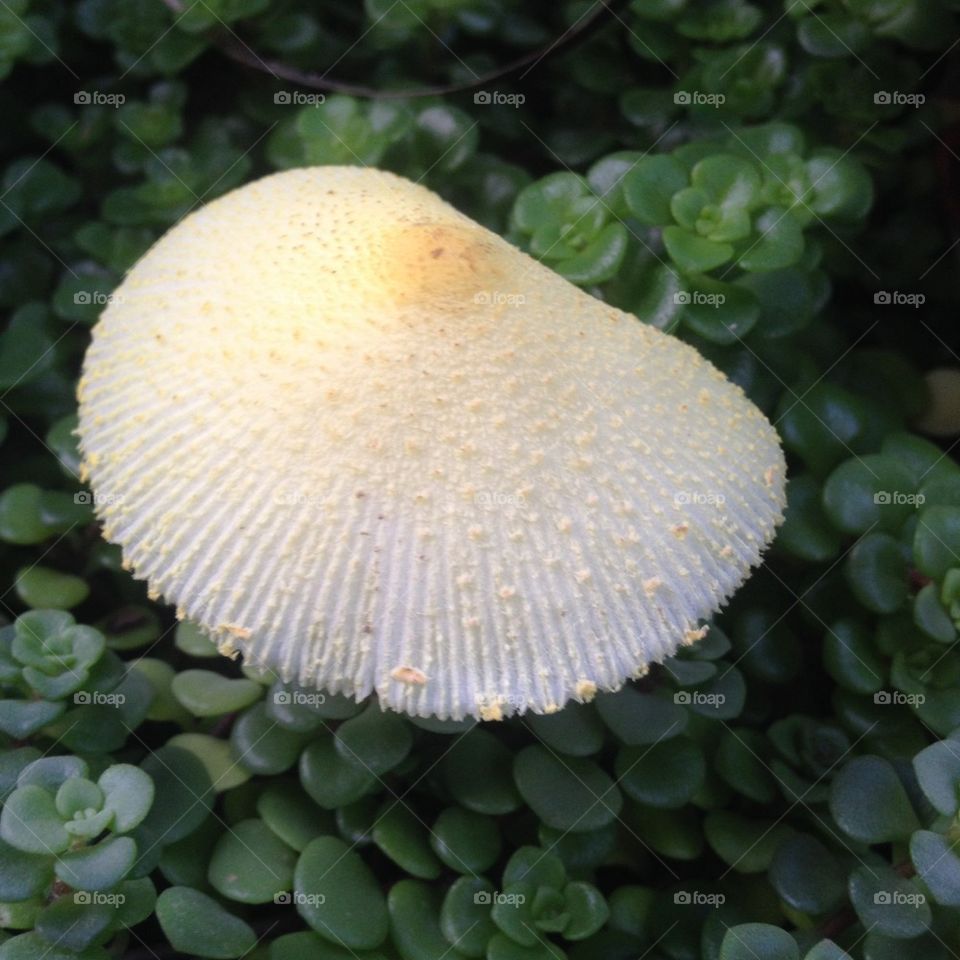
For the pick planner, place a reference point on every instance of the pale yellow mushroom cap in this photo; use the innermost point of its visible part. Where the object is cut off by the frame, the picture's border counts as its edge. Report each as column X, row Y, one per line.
column 371, row 445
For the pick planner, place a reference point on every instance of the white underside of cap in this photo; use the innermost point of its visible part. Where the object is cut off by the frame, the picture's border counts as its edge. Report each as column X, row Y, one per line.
column 474, row 491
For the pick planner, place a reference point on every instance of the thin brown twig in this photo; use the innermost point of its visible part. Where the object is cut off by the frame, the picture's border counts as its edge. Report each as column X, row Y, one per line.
column 234, row 48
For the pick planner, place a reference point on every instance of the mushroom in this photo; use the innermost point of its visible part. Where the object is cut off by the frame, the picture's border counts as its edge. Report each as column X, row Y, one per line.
column 941, row 416
column 374, row 447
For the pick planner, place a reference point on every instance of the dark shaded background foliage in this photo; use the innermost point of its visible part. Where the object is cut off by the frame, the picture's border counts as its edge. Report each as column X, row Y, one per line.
column 776, row 184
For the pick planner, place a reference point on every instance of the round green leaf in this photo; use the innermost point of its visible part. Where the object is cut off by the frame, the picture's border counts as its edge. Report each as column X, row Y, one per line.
column 224, row 770
column 938, row 865
column 758, row 941
column 586, row 908
column 197, row 925
column 869, row 492
column 251, row 864
column 807, row 876
column 747, row 844
column 23, row 875
column 184, row 785
column 665, row 774
column 30, row 822
column 77, row 795
column 415, row 922
column 778, row 244
column 208, row 694
column 650, row 186
column 262, row 745
column 599, row 260
column 869, row 803
column 876, row 570
column 575, row 730
column 376, row 740
column 128, row 793
column 329, row 779
column 465, row 841
column 100, row 867
column 22, row 718
column 641, row 718
column 567, row 794
column 938, row 771
column 191, row 639
column 405, row 840
column 720, row 312
column 850, row 658
column 292, row 815
column 887, row 903
column 465, row 915
column 692, row 253
column 20, row 518
column 476, row 771
column 40, row 586
column 338, row 896
column 741, row 759
column 935, row 542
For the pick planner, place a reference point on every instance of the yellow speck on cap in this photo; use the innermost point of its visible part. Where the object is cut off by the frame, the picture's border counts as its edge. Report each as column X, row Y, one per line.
column 343, row 427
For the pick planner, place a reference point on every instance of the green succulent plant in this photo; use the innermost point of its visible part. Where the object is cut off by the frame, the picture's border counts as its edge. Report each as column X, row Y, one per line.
column 772, row 183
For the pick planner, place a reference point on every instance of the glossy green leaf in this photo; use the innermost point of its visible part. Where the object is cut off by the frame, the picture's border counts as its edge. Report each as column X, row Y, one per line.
column 569, row 793
column 695, row 254
column 650, row 186
column 720, row 312
column 849, row 656
column 664, row 774
column 406, row 841
column 938, row 866
column 934, row 545
column 224, row 770
column 375, row 740
column 187, row 791
column 465, row 841
column 292, row 815
column 251, row 864
column 869, row 492
column 575, row 730
column 586, row 910
column 758, row 941
column 30, row 821
column 748, row 845
column 476, row 771
column 23, row 875
column 70, row 923
column 100, row 867
column 128, row 795
column 876, row 570
column 638, row 718
column 807, row 876
column 415, row 925
column 888, row 903
column 208, row 694
column 39, row 586
column 331, row 780
column 938, row 772
column 197, row 925
column 777, row 243
column 869, row 802
column 262, row 745
column 465, row 915
column 338, row 896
